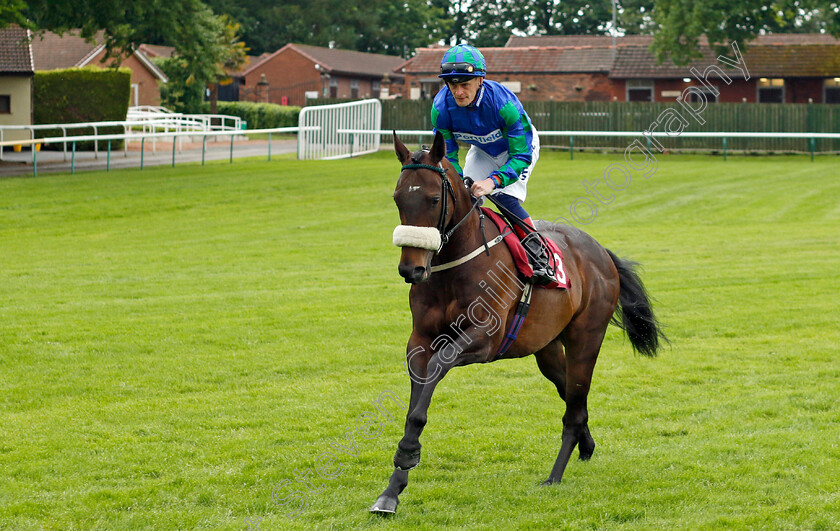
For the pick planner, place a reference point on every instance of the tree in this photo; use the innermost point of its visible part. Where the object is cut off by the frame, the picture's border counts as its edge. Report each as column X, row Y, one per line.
column 204, row 43
column 11, row 12
column 683, row 22
column 394, row 27
column 492, row 22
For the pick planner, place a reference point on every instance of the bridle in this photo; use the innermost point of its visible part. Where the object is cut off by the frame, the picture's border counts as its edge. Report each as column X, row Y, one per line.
column 446, row 189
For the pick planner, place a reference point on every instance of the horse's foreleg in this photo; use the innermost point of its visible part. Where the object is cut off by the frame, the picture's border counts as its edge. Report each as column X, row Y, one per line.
column 387, row 502
column 425, row 374
column 408, row 449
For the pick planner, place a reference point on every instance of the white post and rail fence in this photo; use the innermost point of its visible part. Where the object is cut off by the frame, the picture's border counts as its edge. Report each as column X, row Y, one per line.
column 323, row 132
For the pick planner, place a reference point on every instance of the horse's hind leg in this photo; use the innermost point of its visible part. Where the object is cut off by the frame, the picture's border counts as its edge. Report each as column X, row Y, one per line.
column 582, row 342
column 552, row 364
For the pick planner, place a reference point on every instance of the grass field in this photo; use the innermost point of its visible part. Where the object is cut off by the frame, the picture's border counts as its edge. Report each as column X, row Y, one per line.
column 176, row 345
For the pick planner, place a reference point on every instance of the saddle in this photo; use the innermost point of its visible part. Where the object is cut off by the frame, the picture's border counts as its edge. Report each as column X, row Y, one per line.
column 537, row 248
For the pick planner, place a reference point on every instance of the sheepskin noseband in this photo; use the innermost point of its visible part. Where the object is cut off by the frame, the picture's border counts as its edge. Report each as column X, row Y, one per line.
column 413, row 236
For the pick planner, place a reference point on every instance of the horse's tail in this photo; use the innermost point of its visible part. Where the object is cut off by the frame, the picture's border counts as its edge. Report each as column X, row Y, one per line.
column 634, row 313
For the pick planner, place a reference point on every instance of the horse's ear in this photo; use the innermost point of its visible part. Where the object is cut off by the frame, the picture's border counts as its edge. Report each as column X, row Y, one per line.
column 399, row 147
column 438, row 148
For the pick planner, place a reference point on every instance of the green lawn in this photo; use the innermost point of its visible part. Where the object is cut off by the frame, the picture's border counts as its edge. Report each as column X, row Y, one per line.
column 176, row 343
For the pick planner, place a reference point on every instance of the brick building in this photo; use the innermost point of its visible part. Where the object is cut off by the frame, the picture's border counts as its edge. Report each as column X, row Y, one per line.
column 791, row 68
column 297, row 72
column 51, row 51
column 534, row 73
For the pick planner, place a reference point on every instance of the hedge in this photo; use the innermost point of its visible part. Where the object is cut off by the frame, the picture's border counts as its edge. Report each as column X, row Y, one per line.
column 78, row 95
column 259, row 115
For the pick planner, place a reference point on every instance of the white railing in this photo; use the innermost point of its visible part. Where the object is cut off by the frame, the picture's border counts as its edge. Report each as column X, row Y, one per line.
column 4, row 129
column 328, row 141
column 142, row 123
column 209, row 122
column 35, row 143
column 811, row 137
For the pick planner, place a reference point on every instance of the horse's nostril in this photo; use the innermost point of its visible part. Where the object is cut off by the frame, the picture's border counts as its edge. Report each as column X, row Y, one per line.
column 412, row 274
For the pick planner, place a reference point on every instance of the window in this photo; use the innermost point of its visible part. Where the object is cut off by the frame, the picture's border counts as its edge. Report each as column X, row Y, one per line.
column 354, row 89
column 375, row 89
column 333, row 87
column 831, row 91
column 5, row 104
column 771, row 90
column 639, row 90
column 710, row 96
column 429, row 88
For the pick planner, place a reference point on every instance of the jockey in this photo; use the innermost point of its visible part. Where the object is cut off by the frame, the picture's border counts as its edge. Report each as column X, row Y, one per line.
column 504, row 146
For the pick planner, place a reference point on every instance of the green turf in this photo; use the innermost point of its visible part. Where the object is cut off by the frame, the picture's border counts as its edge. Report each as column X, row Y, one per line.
column 174, row 343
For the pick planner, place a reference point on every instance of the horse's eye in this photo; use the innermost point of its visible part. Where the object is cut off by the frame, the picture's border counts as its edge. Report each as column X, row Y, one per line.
column 435, row 200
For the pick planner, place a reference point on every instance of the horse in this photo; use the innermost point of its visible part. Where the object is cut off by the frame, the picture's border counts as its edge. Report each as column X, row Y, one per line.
column 463, row 297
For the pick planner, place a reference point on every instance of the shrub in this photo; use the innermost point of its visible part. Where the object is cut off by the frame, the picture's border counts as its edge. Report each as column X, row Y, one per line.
column 81, row 95
column 259, row 115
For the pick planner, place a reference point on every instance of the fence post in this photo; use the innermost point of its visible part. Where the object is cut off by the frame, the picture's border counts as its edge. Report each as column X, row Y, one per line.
column 174, row 142
column 231, row 149
column 724, row 149
column 203, row 148
column 269, row 147
column 142, row 145
column 73, row 160
column 35, row 159
column 812, row 149
column 571, row 148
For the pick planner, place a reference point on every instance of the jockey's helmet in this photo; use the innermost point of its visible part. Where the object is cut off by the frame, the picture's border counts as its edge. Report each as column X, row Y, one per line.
column 462, row 62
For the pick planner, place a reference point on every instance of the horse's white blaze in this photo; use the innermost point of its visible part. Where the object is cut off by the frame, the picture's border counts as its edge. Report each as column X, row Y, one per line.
column 413, row 188
column 420, row 237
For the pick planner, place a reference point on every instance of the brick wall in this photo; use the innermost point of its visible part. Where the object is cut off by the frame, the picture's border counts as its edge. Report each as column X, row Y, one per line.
column 289, row 74
column 551, row 87
column 561, row 87
column 147, row 83
column 799, row 90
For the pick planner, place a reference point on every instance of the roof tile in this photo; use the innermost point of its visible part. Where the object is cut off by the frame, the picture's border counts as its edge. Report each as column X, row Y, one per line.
column 52, row 51
column 15, row 53
column 337, row 60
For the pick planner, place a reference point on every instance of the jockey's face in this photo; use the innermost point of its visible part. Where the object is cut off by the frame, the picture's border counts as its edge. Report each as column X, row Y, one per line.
column 464, row 93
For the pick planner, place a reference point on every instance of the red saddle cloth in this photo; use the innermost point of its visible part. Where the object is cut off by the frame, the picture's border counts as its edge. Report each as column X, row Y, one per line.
column 520, row 258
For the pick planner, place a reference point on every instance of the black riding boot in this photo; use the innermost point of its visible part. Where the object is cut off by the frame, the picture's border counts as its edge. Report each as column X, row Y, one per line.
column 537, row 253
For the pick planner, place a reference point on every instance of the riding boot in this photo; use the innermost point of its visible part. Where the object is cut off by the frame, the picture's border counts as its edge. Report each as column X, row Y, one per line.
column 538, row 256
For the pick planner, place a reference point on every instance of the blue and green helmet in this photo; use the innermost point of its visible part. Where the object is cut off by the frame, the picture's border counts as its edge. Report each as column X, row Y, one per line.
column 462, row 62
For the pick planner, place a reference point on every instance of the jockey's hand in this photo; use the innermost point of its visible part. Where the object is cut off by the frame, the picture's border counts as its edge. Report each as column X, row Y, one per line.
column 483, row 187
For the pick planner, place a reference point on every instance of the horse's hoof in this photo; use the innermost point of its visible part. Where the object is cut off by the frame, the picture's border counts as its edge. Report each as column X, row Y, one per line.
column 548, row 482
column 385, row 505
column 406, row 460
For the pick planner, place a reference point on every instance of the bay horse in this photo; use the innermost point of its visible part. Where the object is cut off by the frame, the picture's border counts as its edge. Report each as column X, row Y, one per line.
column 464, row 295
